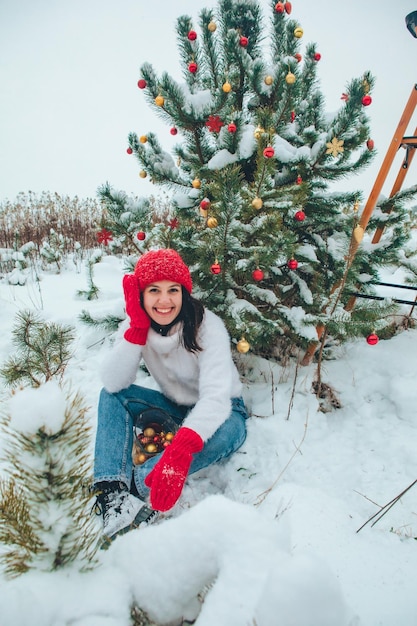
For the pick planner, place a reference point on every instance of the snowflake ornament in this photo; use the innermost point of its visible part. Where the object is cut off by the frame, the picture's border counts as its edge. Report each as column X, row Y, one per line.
column 335, row 147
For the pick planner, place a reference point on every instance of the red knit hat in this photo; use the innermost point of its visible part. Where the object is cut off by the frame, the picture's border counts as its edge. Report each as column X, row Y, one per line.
column 163, row 264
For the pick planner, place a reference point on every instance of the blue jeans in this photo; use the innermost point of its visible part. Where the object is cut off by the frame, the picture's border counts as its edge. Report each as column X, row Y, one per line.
column 114, row 439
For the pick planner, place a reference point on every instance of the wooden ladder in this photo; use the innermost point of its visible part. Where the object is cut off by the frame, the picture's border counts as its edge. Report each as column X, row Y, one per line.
column 399, row 140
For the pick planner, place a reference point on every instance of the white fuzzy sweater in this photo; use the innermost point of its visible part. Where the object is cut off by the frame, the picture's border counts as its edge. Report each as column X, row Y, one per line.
column 207, row 379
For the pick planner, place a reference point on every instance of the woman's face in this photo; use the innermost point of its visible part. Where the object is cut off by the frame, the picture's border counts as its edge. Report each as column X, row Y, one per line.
column 162, row 301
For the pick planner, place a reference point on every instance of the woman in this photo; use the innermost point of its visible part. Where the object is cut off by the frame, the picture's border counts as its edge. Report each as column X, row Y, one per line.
column 186, row 349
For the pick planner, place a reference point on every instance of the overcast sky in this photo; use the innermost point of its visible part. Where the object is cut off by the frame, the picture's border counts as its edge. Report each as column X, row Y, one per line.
column 69, row 71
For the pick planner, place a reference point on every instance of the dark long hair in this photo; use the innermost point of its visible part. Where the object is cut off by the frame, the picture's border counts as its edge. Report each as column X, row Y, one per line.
column 192, row 314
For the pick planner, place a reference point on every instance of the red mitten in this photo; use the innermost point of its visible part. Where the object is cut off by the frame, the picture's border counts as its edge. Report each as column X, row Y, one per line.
column 139, row 320
column 167, row 478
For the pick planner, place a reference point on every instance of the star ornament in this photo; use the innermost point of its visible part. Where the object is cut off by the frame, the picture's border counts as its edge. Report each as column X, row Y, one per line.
column 214, row 123
column 335, row 147
column 104, row 236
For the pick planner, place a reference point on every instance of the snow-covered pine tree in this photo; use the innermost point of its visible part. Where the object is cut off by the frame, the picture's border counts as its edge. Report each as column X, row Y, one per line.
column 259, row 219
column 46, row 522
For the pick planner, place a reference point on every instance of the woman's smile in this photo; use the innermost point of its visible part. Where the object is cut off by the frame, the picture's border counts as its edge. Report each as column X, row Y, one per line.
column 162, row 301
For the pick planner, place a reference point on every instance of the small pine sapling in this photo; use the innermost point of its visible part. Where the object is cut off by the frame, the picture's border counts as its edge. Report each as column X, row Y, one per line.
column 45, row 512
column 43, row 351
column 92, row 292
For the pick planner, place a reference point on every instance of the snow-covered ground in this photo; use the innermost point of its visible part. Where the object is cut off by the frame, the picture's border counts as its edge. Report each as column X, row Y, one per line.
column 270, row 536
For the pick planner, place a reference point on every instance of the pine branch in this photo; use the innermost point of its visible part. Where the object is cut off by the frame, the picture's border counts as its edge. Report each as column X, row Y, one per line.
column 43, row 351
column 109, row 323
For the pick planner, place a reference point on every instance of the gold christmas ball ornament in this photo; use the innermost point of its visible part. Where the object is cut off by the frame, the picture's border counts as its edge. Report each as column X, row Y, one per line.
column 142, row 174
column 196, row 183
column 159, row 101
column 212, row 222
column 290, row 78
column 259, row 131
column 242, row 346
column 152, row 440
column 298, row 32
column 212, row 26
column 143, row 139
column 227, row 87
column 257, row 203
column 268, row 80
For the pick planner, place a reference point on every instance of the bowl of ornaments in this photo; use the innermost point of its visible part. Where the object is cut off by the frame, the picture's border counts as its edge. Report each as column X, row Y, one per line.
column 153, row 431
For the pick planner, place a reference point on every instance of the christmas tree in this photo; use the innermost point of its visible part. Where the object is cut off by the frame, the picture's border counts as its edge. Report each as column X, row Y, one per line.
column 256, row 211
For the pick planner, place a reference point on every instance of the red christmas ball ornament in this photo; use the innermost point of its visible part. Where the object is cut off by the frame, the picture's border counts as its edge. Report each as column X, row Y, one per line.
column 192, row 67
column 366, row 100
column 257, row 274
column 370, row 144
column 288, row 7
column 372, row 339
column 298, row 57
column 317, row 56
column 292, row 116
column 300, row 216
column 173, row 131
column 243, row 41
column 205, row 204
column 232, row 127
column 129, row 150
column 215, row 268
column 192, row 35
column 141, row 235
column 292, row 264
column 299, row 180
column 269, row 152
column 279, row 7
column 142, row 83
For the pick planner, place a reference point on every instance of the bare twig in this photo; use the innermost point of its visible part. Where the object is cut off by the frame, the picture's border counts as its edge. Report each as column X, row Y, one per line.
column 366, row 498
column 263, row 495
column 383, row 510
column 293, row 391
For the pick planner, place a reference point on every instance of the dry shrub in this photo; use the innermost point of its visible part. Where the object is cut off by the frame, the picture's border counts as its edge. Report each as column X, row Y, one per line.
column 31, row 218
